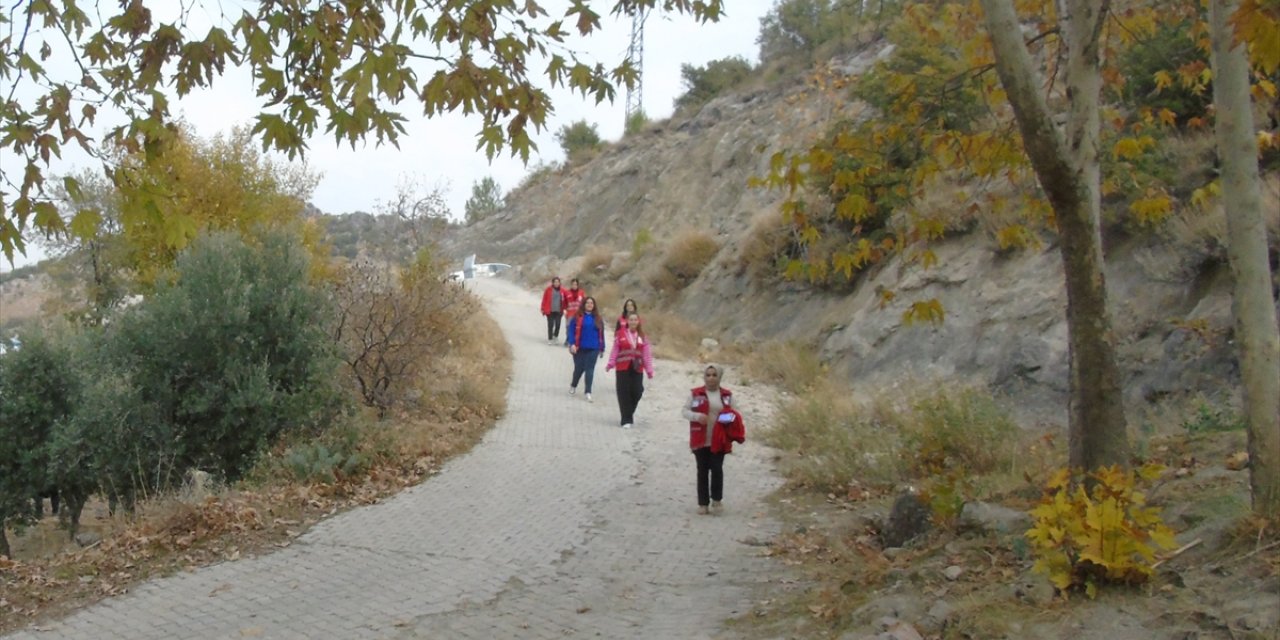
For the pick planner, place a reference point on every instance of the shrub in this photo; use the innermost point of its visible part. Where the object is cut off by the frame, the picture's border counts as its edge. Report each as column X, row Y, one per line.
column 684, row 260
column 790, row 365
column 950, row 429
column 234, row 353
column 834, row 440
column 595, row 261
column 673, row 335
column 390, row 325
column 579, row 140
column 35, row 390
column 704, row 83
column 641, row 243
column 1084, row 537
column 1209, row 418
column 1170, row 48
column 636, row 123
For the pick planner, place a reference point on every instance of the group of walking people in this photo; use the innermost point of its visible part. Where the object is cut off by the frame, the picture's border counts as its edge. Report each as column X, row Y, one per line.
column 714, row 424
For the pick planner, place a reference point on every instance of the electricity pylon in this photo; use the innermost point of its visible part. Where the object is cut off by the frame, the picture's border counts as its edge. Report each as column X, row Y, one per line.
column 635, row 53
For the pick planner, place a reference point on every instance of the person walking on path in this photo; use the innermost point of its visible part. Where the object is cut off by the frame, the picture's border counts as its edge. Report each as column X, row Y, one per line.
column 633, row 359
column 586, row 343
column 628, row 308
column 553, row 308
column 572, row 302
column 714, row 425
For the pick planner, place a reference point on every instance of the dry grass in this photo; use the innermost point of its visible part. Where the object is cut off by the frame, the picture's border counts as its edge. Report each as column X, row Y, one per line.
column 596, row 262
column 788, row 365
column 673, row 336
column 766, row 245
column 684, row 259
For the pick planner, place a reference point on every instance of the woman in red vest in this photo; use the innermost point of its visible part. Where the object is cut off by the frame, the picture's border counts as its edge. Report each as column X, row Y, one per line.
column 553, row 308
column 633, row 359
column 714, row 425
column 573, row 297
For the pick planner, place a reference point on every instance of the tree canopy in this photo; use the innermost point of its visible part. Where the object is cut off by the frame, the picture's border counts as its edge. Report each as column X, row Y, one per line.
column 354, row 70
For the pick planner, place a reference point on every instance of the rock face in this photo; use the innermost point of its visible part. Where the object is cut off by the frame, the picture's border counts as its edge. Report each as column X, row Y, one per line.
column 1005, row 324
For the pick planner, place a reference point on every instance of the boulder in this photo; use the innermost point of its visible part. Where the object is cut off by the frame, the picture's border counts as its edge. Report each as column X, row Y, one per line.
column 993, row 518
column 909, row 518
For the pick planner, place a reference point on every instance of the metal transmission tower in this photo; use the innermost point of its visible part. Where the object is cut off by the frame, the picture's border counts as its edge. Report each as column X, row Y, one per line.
column 635, row 53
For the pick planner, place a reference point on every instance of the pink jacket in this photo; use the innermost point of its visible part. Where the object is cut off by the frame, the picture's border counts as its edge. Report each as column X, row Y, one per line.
column 630, row 352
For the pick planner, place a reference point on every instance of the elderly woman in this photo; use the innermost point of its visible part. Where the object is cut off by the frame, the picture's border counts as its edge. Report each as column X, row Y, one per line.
column 714, row 425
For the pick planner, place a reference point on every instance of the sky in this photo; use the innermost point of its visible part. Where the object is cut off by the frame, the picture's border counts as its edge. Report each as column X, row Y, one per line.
column 441, row 152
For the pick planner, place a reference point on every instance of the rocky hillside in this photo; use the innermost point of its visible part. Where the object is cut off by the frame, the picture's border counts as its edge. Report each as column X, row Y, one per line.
column 1005, row 322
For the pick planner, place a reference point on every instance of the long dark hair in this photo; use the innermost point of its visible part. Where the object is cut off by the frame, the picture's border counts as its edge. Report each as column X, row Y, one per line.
column 623, row 316
column 595, row 314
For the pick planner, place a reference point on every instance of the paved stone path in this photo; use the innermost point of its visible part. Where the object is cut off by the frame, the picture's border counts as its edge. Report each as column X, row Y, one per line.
column 559, row 524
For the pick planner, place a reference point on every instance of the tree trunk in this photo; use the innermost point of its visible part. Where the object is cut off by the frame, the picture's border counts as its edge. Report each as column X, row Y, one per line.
column 1067, row 168
column 1253, row 302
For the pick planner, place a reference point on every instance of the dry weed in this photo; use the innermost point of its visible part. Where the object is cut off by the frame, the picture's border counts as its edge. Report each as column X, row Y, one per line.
column 596, row 263
column 685, row 258
column 673, row 336
column 789, row 365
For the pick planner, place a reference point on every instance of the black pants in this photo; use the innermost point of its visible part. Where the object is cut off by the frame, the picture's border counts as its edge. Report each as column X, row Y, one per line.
column 709, row 464
column 630, row 387
column 553, row 325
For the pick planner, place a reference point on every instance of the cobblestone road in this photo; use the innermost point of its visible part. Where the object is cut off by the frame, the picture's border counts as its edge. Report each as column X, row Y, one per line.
column 559, row 524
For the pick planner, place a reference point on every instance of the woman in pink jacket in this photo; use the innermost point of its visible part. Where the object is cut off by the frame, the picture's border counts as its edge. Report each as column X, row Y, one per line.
column 714, row 425
column 632, row 358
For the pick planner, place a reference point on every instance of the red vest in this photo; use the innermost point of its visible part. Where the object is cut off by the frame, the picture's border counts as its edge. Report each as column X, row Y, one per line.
column 630, row 355
column 722, row 435
column 572, row 300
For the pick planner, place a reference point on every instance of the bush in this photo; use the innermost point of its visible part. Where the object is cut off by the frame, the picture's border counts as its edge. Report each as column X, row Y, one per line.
column 1083, row 538
column 834, row 440
column 684, row 260
column 390, row 325
column 596, row 261
column 579, row 140
column 636, row 123
column 787, row 364
column 36, row 384
column 704, row 83
column 234, row 353
column 1171, row 47
column 950, row 429
column 1209, row 418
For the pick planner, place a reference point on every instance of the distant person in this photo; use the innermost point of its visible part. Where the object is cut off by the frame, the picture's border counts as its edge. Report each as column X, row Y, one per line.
column 586, row 343
column 628, row 308
column 553, row 309
column 633, row 360
column 572, row 301
column 714, row 425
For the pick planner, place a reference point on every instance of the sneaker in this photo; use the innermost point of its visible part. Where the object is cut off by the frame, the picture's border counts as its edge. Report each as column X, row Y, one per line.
column 626, row 425
column 716, row 507
column 551, row 340
column 573, row 390
column 589, row 398
column 702, row 510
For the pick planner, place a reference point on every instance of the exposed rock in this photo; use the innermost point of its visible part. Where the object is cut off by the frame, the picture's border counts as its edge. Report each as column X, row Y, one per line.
column 953, row 572
column 937, row 618
column 88, row 538
column 993, row 518
column 909, row 518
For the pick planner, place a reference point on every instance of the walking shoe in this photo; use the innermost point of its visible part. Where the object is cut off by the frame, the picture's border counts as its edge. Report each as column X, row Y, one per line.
column 573, row 390
column 589, row 398
column 626, row 425
column 551, row 340
column 702, row 510
column 716, row 507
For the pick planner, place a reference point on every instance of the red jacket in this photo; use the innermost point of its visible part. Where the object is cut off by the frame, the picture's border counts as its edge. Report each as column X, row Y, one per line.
column 722, row 435
column 546, row 300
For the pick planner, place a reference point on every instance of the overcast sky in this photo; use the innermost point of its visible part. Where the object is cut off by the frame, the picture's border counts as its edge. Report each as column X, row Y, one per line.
column 442, row 151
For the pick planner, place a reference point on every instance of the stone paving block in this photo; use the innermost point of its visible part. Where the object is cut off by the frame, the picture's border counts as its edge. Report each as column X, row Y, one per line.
column 558, row 524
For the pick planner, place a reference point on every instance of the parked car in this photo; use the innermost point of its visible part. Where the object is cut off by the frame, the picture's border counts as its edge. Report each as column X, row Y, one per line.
column 481, row 270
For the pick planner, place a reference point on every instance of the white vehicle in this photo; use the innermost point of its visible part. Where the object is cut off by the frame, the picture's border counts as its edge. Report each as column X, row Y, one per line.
column 472, row 269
